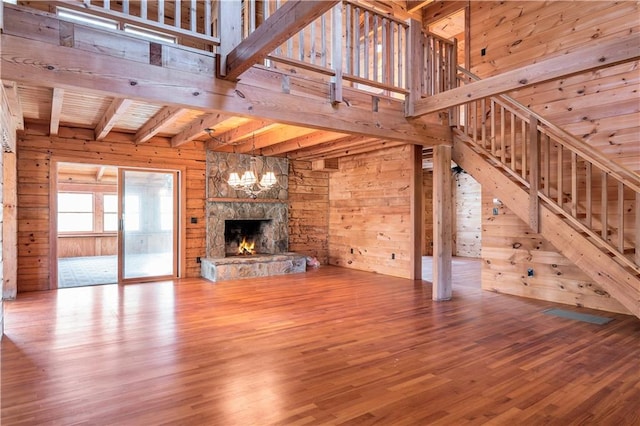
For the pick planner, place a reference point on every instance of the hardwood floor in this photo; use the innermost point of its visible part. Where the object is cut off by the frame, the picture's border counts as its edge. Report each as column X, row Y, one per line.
column 332, row 346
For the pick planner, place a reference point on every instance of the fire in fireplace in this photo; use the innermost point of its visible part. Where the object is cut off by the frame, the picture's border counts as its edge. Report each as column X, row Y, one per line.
column 247, row 237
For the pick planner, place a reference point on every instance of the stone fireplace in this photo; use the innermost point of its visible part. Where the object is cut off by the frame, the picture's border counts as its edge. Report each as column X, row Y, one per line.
column 232, row 215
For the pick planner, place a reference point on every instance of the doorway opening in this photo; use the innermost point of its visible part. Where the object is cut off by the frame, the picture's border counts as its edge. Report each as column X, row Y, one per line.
column 114, row 225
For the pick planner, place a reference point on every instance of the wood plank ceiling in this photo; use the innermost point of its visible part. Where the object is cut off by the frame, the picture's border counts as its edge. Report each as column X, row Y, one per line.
column 49, row 110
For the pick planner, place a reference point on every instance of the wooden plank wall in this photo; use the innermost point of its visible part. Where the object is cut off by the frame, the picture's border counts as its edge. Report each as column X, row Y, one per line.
column 600, row 107
column 309, row 211
column 467, row 234
column 35, row 153
column 510, row 249
column 370, row 212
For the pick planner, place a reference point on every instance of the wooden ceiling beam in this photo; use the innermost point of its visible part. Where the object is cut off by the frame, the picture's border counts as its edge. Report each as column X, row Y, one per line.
column 306, row 141
column 241, row 132
column 159, row 121
column 15, row 107
column 56, row 109
column 98, row 74
column 338, row 144
column 272, row 137
column 111, row 116
column 362, row 149
column 584, row 59
column 290, row 18
column 196, row 128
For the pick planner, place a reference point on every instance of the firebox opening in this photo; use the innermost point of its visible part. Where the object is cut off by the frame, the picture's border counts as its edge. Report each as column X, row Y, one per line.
column 243, row 237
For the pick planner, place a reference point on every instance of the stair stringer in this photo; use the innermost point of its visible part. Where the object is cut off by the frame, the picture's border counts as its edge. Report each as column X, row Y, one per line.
column 619, row 282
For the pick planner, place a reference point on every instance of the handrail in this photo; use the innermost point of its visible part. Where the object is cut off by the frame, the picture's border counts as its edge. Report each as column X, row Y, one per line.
column 551, row 163
column 615, row 169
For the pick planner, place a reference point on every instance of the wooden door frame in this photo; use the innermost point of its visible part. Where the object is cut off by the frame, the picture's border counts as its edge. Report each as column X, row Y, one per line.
column 53, row 210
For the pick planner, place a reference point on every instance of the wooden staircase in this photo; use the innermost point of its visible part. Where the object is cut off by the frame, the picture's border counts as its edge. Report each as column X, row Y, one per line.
column 584, row 204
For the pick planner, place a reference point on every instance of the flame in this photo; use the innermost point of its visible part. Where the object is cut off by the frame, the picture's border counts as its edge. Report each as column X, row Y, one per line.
column 246, row 247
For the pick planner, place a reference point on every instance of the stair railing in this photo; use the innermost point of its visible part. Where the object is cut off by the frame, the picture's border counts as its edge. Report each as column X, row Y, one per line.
column 596, row 195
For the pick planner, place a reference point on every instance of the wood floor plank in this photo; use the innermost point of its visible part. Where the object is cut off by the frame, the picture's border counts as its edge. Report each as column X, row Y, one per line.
column 330, row 346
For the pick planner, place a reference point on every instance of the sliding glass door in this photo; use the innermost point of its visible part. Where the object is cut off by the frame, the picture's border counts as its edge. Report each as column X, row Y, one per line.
column 148, row 225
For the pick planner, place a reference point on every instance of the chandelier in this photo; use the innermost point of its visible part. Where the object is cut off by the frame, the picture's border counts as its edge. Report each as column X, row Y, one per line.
column 249, row 182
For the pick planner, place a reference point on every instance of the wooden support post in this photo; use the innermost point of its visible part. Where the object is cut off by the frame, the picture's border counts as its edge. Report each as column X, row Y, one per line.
column 336, row 53
column 534, row 175
column 417, row 210
column 230, row 31
column 414, row 69
column 442, row 221
column 9, row 225
column 637, row 230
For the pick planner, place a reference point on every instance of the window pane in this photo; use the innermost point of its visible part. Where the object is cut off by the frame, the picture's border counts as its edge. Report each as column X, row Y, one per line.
column 110, row 223
column 132, row 213
column 75, row 222
column 166, row 212
column 75, row 202
column 110, row 203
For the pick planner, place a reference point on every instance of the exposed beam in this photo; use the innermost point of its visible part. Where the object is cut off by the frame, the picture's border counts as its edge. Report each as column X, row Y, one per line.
column 241, row 132
column 415, row 5
column 305, row 141
column 155, row 124
column 290, row 18
column 280, row 133
column 15, row 107
column 54, row 66
column 197, row 128
column 336, row 146
column 371, row 146
column 100, row 173
column 56, row 110
column 601, row 55
column 111, row 116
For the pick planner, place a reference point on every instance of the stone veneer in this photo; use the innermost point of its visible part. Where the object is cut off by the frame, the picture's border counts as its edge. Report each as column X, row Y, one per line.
column 222, row 206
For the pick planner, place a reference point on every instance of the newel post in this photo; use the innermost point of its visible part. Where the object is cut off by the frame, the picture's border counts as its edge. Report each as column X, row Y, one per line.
column 337, row 29
column 534, row 174
column 230, row 24
column 414, row 69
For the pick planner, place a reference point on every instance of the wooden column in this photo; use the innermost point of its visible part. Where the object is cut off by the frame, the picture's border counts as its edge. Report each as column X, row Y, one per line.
column 442, row 222
column 534, row 176
column 230, row 31
column 415, row 68
column 9, row 225
column 417, row 210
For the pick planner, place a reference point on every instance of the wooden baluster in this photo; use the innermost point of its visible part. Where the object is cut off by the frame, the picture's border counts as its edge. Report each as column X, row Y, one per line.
column 620, row 210
column 376, row 60
column 547, row 164
column 589, row 194
column 513, row 141
column 492, row 123
column 392, row 57
column 336, row 53
column 356, row 40
column 525, row 153
column 474, row 106
column 483, row 123
column 534, row 175
column 574, row 184
column 301, row 45
column 385, row 51
column 125, row 7
column 160, row 16
column 503, row 148
column 207, row 18
column 560, row 184
column 637, row 223
column 177, row 12
column 106, row 4
column 604, row 206
column 312, row 42
column 143, row 9
column 323, row 39
column 366, row 63
column 349, row 35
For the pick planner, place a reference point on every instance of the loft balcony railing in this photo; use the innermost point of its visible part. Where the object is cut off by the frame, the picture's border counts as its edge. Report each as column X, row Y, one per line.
column 353, row 43
column 191, row 23
column 595, row 195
